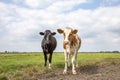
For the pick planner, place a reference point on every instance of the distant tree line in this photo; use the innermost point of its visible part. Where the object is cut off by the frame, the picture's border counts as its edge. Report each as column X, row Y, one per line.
column 8, row 52
column 14, row 52
column 109, row 51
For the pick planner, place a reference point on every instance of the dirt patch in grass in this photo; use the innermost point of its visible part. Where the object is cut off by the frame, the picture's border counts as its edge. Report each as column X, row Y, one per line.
column 107, row 70
column 111, row 72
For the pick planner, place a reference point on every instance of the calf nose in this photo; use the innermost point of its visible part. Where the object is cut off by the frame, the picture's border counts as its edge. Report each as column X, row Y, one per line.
column 66, row 42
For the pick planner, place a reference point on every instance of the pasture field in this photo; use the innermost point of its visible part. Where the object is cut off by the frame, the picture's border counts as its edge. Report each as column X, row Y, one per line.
column 30, row 66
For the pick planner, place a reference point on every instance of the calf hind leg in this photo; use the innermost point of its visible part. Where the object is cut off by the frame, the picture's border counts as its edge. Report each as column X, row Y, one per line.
column 76, row 62
column 68, row 60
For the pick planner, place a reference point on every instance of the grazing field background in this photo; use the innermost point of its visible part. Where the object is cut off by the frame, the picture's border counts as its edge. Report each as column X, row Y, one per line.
column 22, row 66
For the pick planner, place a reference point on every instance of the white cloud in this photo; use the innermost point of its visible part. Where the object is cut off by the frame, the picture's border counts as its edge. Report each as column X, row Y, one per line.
column 99, row 28
column 16, row 1
column 64, row 5
column 32, row 3
column 95, row 27
column 39, row 3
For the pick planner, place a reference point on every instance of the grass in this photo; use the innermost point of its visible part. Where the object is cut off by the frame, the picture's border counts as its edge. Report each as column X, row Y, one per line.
column 10, row 62
column 22, row 66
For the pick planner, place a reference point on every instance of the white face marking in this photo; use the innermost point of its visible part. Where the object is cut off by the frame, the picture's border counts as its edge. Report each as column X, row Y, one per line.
column 67, row 32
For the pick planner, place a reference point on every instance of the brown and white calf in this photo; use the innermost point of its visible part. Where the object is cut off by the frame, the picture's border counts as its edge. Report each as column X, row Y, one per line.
column 71, row 44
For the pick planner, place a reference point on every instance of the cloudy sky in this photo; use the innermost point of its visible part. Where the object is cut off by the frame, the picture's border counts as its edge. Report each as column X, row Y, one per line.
column 97, row 21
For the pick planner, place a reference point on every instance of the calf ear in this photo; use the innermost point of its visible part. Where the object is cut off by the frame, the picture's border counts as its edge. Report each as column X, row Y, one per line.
column 60, row 31
column 41, row 33
column 75, row 31
column 53, row 33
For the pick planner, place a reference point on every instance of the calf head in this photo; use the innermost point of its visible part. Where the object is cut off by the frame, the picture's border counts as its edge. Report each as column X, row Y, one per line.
column 69, row 35
column 47, row 34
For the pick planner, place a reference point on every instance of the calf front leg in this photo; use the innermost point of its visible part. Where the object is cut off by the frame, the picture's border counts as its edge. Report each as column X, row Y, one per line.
column 66, row 62
column 50, row 60
column 45, row 58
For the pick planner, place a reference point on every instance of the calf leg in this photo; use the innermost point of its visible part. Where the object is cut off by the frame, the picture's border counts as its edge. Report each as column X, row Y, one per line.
column 50, row 60
column 45, row 58
column 66, row 62
column 74, row 63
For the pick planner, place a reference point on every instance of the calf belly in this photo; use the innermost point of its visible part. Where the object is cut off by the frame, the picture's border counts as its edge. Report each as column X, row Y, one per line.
column 71, row 50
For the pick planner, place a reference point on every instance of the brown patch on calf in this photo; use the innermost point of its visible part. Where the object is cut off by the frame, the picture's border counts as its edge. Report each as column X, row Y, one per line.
column 64, row 45
column 60, row 31
column 72, row 38
column 75, row 31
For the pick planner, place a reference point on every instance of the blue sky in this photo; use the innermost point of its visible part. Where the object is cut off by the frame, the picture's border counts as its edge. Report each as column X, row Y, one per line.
column 97, row 22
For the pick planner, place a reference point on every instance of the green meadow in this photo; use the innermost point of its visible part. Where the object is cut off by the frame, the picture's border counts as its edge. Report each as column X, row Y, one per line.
column 20, row 66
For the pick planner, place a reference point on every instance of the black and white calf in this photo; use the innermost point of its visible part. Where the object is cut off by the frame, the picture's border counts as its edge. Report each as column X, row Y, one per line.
column 48, row 45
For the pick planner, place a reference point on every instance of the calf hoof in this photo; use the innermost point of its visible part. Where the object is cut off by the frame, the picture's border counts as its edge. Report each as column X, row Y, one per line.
column 65, row 72
column 74, row 72
column 77, row 66
column 49, row 67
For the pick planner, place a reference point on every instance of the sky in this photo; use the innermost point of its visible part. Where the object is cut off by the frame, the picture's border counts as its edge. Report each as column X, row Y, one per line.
column 97, row 21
